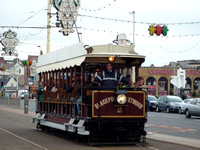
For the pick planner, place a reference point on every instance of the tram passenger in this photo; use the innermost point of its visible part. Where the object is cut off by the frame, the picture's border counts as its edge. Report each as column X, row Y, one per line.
column 40, row 91
column 54, row 91
column 78, row 95
column 139, row 84
column 110, row 78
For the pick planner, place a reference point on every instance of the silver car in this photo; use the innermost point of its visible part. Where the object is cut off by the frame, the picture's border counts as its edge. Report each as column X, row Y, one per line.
column 193, row 108
column 183, row 104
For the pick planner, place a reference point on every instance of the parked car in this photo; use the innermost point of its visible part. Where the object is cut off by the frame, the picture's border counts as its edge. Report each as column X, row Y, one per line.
column 183, row 104
column 21, row 93
column 193, row 108
column 168, row 103
column 21, row 96
column 152, row 102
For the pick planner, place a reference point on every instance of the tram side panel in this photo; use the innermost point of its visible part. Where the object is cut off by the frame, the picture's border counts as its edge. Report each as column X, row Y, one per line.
column 104, row 104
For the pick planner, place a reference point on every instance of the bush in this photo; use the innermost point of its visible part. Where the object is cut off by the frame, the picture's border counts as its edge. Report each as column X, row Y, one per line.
column 193, row 94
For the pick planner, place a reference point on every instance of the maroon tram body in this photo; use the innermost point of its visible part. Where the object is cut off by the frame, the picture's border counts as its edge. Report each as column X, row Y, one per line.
column 103, row 118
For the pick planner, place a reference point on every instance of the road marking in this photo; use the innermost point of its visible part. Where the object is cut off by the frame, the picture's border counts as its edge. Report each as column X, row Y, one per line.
column 152, row 148
column 169, row 117
column 163, row 126
column 22, row 138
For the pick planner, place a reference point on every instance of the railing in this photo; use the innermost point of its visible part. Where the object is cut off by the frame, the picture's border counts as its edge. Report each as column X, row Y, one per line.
column 13, row 103
column 18, row 103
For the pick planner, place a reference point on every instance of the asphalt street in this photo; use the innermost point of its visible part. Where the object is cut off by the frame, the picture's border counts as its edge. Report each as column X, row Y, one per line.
column 174, row 124
column 18, row 133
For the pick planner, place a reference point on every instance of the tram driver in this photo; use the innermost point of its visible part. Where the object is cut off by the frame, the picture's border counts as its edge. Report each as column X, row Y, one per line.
column 110, row 77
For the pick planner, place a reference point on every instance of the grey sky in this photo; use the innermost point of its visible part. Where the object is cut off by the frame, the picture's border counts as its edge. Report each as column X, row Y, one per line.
column 159, row 50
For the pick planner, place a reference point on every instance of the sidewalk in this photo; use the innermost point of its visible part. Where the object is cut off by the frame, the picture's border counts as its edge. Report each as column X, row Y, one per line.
column 17, row 111
column 194, row 143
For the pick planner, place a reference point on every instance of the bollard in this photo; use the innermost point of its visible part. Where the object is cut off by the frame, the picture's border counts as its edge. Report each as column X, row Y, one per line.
column 26, row 103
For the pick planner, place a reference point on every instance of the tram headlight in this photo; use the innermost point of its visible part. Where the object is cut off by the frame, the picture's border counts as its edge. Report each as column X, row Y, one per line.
column 111, row 59
column 121, row 97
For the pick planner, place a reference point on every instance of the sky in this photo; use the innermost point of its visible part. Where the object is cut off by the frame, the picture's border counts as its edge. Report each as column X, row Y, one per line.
column 181, row 16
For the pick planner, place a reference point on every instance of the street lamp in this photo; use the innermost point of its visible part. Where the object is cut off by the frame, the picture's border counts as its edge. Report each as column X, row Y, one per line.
column 41, row 53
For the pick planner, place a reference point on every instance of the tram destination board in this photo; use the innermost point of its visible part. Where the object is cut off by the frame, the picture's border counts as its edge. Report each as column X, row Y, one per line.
column 104, row 105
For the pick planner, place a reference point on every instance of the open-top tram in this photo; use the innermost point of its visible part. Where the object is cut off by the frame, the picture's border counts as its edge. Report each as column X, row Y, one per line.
column 107, row 115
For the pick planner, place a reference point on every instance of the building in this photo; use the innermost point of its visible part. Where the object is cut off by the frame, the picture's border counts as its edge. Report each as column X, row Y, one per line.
column 17, row 76
column 157, row 79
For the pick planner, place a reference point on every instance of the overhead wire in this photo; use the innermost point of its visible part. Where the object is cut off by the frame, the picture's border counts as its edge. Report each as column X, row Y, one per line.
column 33, row 15
column 5, row 17
column 101, row 8
column 137, row 22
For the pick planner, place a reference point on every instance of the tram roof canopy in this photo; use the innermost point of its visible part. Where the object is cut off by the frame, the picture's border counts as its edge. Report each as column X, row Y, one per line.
column 62, row 58
column 76, row 54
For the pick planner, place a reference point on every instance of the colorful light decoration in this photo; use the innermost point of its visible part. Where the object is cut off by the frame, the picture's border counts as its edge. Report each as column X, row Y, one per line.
column 27, row 62
column 165, row 29
column 67, row 14
column 152, row 29
column 3, row 69
column 158, row 30
column 9, row 41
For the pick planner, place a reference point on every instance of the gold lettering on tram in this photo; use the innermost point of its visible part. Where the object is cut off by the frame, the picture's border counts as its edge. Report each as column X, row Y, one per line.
column 135, row 102
column 119, row 109
column 104, row 101
column 111, row 99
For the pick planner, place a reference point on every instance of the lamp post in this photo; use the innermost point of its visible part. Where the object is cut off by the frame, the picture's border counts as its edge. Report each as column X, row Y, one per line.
column 17, row 75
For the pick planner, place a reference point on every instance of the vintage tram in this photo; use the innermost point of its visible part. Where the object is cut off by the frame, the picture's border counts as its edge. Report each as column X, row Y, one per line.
column 108, row 115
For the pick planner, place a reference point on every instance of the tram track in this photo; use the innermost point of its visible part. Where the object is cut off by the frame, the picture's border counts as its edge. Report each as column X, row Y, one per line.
column 21, row 138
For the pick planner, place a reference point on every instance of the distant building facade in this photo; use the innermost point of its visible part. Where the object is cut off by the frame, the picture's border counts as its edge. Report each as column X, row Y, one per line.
column 17, row 76
column 157, row 79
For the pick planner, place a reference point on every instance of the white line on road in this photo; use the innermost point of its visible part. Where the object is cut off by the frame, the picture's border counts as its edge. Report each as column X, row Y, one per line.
column 22, row 138
column 169, row 117
column 152, row 148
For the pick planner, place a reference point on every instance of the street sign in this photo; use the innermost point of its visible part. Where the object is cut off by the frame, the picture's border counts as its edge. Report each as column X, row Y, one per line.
column 179, row 80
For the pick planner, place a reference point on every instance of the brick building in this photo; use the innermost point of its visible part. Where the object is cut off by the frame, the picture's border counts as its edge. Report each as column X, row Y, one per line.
column 157, row 79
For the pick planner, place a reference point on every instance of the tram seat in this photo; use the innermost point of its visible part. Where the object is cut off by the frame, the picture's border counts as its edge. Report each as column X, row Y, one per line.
column 69, row 125
column 80, row 128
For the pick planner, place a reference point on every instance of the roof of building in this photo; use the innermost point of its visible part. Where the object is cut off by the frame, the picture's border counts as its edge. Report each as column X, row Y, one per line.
column 9, row 80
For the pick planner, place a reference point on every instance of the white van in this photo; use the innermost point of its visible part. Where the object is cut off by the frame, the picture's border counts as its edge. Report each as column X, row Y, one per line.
column 21, row 93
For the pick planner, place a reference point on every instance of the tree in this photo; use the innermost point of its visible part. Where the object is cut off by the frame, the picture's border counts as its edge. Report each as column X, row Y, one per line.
column 171, row 92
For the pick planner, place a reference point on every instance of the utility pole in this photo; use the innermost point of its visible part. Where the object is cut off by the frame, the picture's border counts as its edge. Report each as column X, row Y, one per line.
column 17, row 74
column 132, row 47
column 48, row 26
column 133, row 12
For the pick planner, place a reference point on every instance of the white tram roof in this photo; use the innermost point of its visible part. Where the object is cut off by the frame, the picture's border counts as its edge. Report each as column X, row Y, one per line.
column 76, row 54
